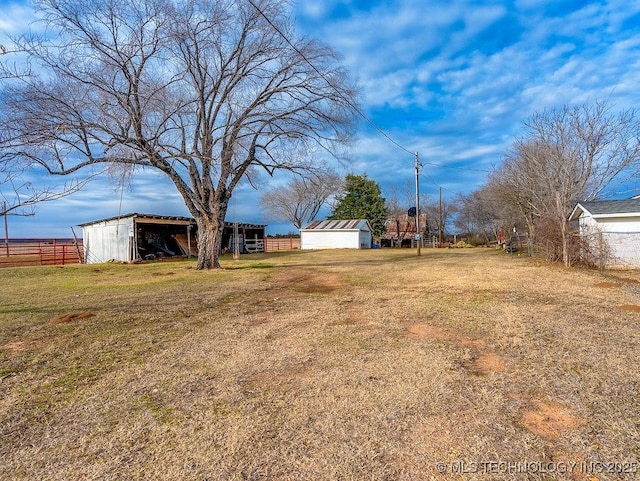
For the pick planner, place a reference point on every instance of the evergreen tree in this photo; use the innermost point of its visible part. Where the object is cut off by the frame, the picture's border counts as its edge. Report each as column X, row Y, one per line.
column 361, row 199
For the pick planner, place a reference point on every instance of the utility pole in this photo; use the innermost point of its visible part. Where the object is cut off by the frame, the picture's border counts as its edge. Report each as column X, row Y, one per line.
column 418, row 236
column 440, row 221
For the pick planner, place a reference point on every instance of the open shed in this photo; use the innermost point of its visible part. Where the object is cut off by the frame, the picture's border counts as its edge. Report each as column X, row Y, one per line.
column 337, row 234
column 611, row 229
column 147, row 236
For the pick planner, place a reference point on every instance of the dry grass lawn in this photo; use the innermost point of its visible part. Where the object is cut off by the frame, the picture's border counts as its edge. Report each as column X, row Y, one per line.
column 336, row 365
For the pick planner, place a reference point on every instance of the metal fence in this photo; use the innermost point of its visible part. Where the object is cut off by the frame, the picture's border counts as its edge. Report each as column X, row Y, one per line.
column 281, row 243
column 40, row 252
column 25, row 252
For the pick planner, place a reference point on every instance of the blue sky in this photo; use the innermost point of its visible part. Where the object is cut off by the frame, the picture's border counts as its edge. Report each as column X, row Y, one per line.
column 450, row 79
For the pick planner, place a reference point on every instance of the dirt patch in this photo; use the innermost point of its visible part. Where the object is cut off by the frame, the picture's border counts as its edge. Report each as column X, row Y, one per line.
column 486, row 363
column 158, row 274
column 430, row 332
column 71, row 317
column 628, row 280
column 309, row 282
column 549, row 420
column 630, row 308
column 15, row 346
column 482, row 363
column 607, row 285
column 357, row 315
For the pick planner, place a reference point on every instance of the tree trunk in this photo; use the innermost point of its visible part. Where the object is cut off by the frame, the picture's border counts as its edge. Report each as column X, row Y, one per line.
column 206, row 251
column 531, row 238
column 210, row 230
column 564, row 227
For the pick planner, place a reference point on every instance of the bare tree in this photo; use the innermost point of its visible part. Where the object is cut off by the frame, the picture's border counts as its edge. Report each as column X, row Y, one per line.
column 439, row 214
column 207, row 92
column 399, row 225
column 21, row 198
column 477, row 214
column 567, row 155
column 512, row 187
column 18, row 196
column 302, row 198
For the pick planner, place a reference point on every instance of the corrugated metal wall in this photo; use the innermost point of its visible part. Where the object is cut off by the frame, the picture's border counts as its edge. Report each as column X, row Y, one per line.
column 110, row 240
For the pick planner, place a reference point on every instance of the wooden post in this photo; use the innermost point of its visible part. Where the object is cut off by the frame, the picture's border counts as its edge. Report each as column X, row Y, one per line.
column 75, row 239
column 189, row 241
column 6, row 230
column 236, row 242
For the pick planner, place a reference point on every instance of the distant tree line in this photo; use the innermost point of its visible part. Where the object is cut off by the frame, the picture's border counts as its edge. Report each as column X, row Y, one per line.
column 565, row 155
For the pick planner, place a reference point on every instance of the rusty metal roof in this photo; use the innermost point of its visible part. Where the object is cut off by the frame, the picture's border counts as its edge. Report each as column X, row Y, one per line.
column 348, row 224
column 170, row 219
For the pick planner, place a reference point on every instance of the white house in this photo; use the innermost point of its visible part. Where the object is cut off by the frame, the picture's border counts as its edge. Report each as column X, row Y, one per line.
column 611, row 228
column 337, row 234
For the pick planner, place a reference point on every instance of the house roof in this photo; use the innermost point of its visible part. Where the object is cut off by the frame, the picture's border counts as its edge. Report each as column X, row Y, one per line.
column 165, row 219
column 607, row 208
column 339, row 225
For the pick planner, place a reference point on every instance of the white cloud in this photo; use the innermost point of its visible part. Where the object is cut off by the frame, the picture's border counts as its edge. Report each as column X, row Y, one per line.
column 15, row 17
column 451, row 79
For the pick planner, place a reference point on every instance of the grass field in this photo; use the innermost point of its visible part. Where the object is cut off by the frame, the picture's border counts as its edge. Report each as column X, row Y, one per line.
column 337, row 365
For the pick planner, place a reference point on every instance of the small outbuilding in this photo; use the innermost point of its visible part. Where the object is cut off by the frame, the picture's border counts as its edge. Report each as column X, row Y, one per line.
column 146, row 236
column 610, row 229
column 337, row 234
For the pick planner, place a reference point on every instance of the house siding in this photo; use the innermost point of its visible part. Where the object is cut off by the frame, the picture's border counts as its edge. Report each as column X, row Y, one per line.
column 336, row 234
column 615, row 237
column 329, row 240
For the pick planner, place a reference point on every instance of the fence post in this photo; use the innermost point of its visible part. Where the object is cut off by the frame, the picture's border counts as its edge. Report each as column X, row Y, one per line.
column 6, row 228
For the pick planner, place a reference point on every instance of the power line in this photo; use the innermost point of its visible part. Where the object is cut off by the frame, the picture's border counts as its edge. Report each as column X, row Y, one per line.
column 430, row 179
column 456, row 167
column 347, row 100
column 351, row 104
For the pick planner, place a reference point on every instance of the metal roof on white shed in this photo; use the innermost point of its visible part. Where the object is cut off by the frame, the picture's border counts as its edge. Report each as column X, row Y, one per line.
column 349, row 224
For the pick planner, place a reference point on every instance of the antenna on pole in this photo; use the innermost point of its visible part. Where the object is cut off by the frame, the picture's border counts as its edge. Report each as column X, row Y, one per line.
column 418, row 236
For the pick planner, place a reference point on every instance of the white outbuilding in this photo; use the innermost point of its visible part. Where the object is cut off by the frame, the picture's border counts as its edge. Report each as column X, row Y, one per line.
column 610, row 229
column 337, row 234
column 134, row 236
